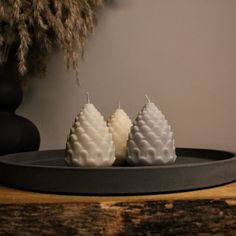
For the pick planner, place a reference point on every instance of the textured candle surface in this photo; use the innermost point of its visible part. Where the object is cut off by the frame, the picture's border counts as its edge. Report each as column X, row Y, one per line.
column 151, row 140
column 119, row 124
column 90, row 142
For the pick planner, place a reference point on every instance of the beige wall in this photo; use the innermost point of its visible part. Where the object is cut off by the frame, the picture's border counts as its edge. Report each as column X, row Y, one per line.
column 182, row 53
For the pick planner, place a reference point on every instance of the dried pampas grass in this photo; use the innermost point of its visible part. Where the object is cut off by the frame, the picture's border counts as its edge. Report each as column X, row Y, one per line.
column 36, row 27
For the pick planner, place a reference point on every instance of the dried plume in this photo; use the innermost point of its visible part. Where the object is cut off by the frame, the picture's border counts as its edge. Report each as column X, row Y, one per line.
column 35, row 27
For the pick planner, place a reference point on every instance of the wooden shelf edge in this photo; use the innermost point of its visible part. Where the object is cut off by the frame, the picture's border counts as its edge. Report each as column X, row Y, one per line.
column 14, row 196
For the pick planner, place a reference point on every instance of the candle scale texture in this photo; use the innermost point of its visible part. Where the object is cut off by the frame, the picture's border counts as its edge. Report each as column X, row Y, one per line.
column 119, row 124
column 151, row 140
column 90, row 142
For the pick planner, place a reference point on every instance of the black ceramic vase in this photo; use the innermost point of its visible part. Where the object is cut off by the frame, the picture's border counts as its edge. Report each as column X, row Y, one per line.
column 17, row 134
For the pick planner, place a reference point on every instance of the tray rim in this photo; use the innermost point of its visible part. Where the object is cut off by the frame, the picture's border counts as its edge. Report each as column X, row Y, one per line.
column 119, row 168
column 115, row 181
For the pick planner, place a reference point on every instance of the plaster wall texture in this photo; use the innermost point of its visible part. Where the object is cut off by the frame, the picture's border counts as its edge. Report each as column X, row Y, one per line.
column 181, row 53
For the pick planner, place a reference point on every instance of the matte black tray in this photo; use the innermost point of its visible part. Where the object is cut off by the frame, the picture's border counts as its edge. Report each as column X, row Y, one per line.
column 46, row 171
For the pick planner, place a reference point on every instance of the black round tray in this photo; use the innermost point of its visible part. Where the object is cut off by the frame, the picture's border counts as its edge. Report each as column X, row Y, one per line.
column 46, row 171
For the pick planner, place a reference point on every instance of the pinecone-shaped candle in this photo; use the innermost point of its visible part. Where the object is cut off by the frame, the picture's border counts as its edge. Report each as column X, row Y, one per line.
column 90, row 142
column 151, row 140
column 119, row 124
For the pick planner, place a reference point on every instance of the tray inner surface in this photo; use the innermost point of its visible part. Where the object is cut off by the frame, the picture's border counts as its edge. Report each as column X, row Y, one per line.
column 56, row 158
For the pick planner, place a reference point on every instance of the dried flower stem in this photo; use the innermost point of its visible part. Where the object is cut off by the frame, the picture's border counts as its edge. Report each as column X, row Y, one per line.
column 35, row 27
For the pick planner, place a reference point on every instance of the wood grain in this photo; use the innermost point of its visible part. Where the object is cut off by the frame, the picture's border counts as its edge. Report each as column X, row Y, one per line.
column 178, row 217
column 203, row 212
column 10, row 195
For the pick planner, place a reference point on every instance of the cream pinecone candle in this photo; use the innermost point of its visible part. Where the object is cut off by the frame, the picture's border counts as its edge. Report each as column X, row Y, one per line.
column 89, row 142
column 151, row 140
column 119, row 124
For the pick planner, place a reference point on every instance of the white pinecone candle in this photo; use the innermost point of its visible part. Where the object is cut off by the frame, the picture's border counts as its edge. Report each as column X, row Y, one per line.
column 90, row 142
column 151, row 140
column 119, row 124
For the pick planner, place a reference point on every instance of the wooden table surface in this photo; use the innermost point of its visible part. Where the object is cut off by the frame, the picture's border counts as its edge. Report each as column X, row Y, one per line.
column 15, row 196
column 202, row 212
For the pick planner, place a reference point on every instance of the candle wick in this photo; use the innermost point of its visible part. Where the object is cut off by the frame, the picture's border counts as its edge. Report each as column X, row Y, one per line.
column 119, row 104
column 88, row 98
column 147, row 98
